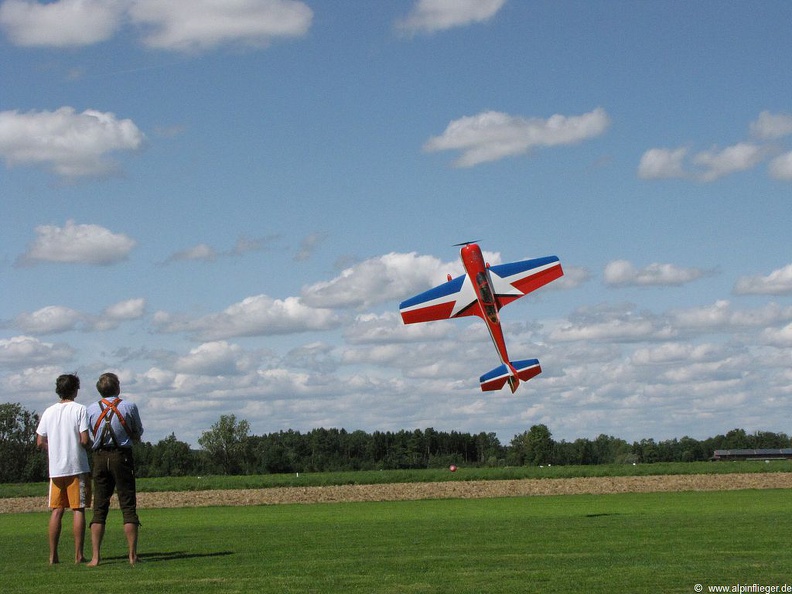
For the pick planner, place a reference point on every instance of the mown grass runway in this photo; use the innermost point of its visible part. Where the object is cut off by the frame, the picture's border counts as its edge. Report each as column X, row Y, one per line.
column 656, row 542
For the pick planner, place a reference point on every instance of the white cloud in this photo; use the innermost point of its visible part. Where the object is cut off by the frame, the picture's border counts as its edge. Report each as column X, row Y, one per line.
column 780, row 337
column 677, row 352
column 660, row 163
column 123, row 311
column 70, row 144
column 54, row 319
column 781, row 167
column 622, row 273
column 64, row 23
column 392, row 276
column 722, row 317
column 574, row 276
column 492, row 135
column 130, row 309
column 611, row 323
column 212, row 358
column 770, row 126
column 29, row 351
column 259, row 315
column 48, row 320
column 388, row 328
column 778, row 282
column 435, row 15
column 194, row 25
column 718, row 163
column 77, row 244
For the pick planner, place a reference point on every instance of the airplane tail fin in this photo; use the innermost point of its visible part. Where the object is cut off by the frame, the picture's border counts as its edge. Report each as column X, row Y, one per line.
column 512, row 373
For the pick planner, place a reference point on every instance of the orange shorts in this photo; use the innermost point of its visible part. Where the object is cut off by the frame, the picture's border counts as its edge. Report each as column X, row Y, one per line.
column 70, row 491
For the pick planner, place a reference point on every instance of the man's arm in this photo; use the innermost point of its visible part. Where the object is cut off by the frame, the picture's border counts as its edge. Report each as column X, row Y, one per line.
column 84, row 440
column 41, row 442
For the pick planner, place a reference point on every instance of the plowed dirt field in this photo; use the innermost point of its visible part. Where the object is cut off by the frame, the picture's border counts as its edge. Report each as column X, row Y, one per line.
column 441, row 490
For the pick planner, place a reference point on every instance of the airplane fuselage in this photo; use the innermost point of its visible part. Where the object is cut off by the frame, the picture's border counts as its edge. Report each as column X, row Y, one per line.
column 478, row 273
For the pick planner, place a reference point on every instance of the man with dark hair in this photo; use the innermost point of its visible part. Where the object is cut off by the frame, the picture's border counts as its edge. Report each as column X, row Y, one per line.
column 63, row 433
column 115, row 426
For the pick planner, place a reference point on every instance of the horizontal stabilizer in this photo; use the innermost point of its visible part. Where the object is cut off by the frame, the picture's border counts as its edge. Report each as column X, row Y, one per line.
column 497, row 378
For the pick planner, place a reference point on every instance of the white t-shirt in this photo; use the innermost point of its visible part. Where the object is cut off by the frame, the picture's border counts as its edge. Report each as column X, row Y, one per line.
column 62, row 424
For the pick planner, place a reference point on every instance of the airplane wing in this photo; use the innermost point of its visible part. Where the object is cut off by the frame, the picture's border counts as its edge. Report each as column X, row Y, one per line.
column 453, row 299
column 514, row 280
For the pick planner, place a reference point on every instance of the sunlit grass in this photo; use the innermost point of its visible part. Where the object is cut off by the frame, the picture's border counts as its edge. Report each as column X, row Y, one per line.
column 658, row 542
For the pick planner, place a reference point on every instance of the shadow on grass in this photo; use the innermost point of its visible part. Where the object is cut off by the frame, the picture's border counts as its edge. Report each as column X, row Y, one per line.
column 168, row 556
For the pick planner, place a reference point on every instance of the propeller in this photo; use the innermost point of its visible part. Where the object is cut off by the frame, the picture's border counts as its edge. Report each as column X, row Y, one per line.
column 467, row 242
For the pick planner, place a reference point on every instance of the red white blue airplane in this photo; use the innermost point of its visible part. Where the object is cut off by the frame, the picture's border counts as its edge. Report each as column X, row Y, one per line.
column 482, row 292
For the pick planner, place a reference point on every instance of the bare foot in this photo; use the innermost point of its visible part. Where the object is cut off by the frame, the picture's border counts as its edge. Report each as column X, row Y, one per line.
column 79, row 560
column 93, row 563
column 134, row 560
column 54, row 561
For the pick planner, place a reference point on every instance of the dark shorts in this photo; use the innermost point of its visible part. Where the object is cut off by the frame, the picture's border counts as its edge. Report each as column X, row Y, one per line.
column 114, row 470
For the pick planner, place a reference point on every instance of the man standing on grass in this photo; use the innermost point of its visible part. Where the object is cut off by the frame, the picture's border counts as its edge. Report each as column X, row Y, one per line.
column 115, row 425
column 63, row 433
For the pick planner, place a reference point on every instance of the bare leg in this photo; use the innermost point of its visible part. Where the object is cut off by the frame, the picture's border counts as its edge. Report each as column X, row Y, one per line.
column 131, row 532
column 54, row 534
column 79, row 535
column 97, row 534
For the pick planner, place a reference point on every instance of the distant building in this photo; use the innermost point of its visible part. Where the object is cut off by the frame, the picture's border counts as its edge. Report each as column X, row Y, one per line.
column 762, row 454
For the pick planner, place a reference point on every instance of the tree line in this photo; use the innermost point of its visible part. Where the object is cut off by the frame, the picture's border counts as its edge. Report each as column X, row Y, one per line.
column 229, row 448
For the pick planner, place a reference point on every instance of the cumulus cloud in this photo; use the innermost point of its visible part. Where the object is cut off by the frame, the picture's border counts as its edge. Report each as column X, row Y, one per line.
column 621, row 273
column 212, row 358
column 492, row 135
column 77, row 244
column 770, row 126
column 574, row 276
column 196, row 25
column 721, row 316
column 259, row 315
column 70, row 144
column 618, row 323
column 178, row 25
column 705, row 166
column 662, row 163
column 54, row 319
column 781, row 167
column 778, row 282
column 48, row 320
column 428, row 16
column 779, row 337
column 392, row 276
column 717, row 163
column 677, row 352
column 123, row 311
column 29, row 351
column 65, row 23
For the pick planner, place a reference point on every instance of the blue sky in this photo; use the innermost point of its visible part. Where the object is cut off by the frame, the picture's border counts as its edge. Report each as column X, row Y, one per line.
column 224, row 203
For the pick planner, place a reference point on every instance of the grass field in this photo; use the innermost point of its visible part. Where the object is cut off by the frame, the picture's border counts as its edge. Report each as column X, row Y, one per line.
column 657, row 542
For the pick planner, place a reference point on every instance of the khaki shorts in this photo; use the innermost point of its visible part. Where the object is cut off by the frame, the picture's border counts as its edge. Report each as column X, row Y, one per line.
column 70, row 491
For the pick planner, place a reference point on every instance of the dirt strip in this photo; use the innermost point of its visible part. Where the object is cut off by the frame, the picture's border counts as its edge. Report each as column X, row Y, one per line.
column 442, row 490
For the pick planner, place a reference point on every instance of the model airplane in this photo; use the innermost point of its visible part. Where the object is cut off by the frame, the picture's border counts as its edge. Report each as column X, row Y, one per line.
column 482, row 292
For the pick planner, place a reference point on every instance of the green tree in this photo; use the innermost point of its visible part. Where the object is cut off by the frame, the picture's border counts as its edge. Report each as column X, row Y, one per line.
column 171, row 457
column 533, row 447
column 226, row 445
column 21, row 460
